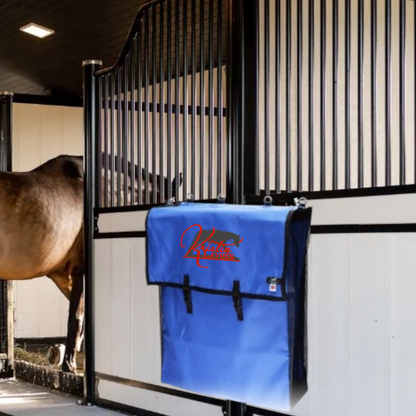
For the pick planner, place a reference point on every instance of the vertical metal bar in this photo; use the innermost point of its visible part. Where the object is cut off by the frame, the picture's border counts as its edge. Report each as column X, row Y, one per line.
column 177, row 98
column 211, row 98
column 266, row 95
column 347, row 94
column 139, row 115
column 112, row 143
column 193, row 94
column 300, row 95
column 335, row 97
column 91, row 107
column 202, row 98
column 373, row 93
column 125, row 131
column 99, row 156
column 6, row 131
column 169, row 97
column 360, row 92
column 231, row 408
column 162, row 108
column 246, row 77
column 388, row 92
column 132, row 112
column 146, row 109
column 6, row 287
column 323, row 92
column 402, row 92
column 277, row 86
column 154, row 107
column 241, row 142
column 106, row 167
column 219, row 101
column 185, row 98
column 288, row 95
column 311, row 75
column 119, row 139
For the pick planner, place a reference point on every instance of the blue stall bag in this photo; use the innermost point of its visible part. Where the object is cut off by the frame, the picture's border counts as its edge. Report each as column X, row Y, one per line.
column 233, row 299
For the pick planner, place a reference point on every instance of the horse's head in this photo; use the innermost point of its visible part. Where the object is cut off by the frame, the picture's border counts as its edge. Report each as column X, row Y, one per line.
column 133, row 182
column 237, row 241
column 165, row 197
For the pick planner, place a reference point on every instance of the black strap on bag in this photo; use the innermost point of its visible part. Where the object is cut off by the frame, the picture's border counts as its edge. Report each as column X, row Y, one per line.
column 187, row 294
column 237, row 300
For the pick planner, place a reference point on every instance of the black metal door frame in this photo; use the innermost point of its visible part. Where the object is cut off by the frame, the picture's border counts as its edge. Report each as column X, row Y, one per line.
column 6, row 288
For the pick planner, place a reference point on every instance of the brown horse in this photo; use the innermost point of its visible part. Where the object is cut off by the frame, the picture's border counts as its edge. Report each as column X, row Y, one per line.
column 41, row 228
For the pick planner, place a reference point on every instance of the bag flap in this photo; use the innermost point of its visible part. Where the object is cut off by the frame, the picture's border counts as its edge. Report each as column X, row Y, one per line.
column 213, row 245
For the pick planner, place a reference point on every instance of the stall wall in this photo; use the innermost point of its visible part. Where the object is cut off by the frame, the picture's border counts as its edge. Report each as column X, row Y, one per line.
column 360, row 314
column 41, row 132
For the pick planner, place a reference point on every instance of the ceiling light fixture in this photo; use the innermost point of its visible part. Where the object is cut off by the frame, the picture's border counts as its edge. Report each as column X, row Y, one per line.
column 37, row 30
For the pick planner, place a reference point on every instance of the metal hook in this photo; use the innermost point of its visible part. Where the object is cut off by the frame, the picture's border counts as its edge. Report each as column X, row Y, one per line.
column 301, row 202
column 221, row 199
column 171, row 201
column 267, row 200
column 189, row 197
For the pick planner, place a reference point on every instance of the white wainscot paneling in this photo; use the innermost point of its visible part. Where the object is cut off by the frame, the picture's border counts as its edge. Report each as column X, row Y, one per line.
column 155, row 402
column 362, row 312
column 385, row 209
column 127, row 329
column 122, row 221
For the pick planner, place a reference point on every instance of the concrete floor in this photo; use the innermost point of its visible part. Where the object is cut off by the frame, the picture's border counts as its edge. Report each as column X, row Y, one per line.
column 18, row 398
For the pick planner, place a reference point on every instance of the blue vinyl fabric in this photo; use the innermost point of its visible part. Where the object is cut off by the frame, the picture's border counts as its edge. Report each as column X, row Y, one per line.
column 256, row 358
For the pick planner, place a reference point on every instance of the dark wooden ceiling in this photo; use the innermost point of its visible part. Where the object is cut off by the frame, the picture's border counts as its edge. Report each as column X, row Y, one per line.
column 84, row 29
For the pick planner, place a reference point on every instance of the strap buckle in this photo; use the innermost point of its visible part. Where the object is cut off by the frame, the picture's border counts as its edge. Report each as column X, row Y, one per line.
column 237, row 300
column 187, row 294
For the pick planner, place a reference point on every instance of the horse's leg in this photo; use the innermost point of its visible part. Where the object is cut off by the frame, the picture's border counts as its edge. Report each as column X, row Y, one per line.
column 75, row 330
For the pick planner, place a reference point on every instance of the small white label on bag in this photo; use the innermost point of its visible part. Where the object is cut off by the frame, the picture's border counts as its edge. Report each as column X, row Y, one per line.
column 272, row 287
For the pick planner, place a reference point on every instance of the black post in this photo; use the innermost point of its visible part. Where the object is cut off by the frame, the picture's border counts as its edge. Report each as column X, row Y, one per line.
column 91, row 120
column 6, row 288
column 242, row 78
column 6, row 115
column 248, row 41
column 234, row 91
column 235, row 409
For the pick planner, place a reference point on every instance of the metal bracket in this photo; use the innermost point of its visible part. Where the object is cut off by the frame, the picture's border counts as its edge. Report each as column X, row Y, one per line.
column 221, row 199
column 268, row 200
column 301, row 202
column 170, row 202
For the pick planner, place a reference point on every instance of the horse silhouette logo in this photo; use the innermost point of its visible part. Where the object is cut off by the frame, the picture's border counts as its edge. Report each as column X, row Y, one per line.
column 212, row 244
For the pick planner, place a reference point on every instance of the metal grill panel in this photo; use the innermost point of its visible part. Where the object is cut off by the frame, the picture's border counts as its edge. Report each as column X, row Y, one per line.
column 162, row 127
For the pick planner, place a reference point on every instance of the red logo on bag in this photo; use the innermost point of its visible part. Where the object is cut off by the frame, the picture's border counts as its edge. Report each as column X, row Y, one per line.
column 211, row 245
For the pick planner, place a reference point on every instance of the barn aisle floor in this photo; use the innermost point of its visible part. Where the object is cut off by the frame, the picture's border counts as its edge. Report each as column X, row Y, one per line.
column 18, row 398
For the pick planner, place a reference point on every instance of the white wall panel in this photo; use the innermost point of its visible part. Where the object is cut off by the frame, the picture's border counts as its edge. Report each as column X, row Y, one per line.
column 155, row 402
column 361, row 312
column 361, row 315
column 123, row 221
column 40, row 133
column 383, row 209
column 127, row 312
